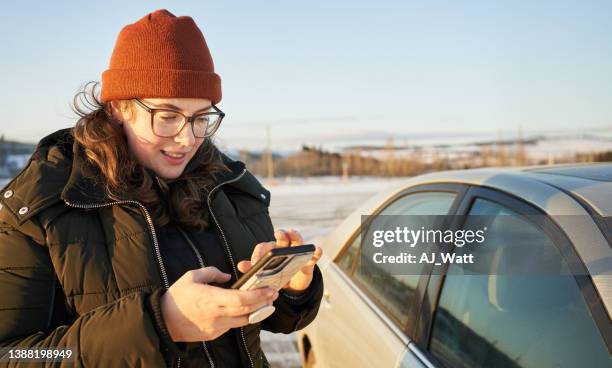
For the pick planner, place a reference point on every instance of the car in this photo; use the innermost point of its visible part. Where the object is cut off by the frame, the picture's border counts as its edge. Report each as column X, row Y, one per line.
column 370, row 317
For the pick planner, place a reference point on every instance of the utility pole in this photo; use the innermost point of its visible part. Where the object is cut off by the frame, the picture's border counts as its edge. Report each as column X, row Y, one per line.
column 268, row 156
column 345, row 169
column 521, row 155
column 390, row 157
column 501, row 154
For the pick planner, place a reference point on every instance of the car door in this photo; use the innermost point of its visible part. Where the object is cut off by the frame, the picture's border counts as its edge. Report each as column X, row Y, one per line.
column 367, row 313
column 514, row 320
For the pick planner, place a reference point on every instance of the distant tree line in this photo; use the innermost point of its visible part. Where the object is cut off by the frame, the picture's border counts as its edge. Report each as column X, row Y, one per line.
column 9, row 164
column 8, row 147
column 312, row 161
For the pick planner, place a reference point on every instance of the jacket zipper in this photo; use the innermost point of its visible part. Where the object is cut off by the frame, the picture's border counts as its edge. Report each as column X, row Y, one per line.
column 227, row 249
column 158, row 253
column 202, row 265
column 160, row 262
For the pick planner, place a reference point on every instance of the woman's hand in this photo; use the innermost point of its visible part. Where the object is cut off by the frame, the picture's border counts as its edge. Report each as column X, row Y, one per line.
column 288, row 238
column 195, row 311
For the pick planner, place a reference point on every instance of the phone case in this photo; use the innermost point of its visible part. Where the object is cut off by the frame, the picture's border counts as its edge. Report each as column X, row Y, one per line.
column 278, row 279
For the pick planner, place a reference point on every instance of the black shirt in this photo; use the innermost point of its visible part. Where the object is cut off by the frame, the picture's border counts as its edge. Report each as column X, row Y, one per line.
column 178, row 258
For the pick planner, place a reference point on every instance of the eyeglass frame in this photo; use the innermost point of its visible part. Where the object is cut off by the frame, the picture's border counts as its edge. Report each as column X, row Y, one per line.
column 187, row 119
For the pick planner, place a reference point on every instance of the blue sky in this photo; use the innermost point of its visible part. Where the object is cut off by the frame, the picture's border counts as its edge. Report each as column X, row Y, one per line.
column 319, row 71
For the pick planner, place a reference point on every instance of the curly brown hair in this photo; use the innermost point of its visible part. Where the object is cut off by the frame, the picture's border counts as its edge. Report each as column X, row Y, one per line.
column 181, row 201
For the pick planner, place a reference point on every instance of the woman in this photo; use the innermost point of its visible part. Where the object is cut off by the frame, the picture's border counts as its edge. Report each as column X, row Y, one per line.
column 121, row 236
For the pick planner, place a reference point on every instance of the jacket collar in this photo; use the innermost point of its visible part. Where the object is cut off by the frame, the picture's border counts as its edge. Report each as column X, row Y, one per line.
column 85, row 182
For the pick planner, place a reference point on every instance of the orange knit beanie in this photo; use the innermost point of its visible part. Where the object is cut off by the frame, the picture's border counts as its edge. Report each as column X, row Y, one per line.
column 161, row 55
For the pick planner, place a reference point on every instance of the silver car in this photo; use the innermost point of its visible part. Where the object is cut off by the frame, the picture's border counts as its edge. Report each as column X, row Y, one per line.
column 369, row 318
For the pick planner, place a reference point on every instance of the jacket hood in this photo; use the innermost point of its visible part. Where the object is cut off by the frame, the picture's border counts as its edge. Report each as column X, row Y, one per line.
column 59, row 170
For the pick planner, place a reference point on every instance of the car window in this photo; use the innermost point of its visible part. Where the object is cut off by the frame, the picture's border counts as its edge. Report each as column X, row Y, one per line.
column 393, row 293
column 514, row 321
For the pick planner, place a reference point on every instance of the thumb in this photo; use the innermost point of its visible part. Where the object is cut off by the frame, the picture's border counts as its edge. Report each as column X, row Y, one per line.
column 244, row 266
column 209, row 274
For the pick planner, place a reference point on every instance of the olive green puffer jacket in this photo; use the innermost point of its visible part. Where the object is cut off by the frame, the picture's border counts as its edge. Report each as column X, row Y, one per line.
column 82, row 273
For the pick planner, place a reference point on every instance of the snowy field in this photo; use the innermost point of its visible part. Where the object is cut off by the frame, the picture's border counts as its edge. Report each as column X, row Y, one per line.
column 316, row 205
column 312, row 206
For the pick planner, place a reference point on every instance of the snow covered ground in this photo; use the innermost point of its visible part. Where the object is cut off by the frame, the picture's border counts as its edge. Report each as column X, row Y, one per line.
column 548, row 149
column 313, row 206
column 316, row 205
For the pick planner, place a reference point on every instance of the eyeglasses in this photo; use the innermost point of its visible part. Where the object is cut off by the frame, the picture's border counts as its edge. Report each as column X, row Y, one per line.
column 169, row 123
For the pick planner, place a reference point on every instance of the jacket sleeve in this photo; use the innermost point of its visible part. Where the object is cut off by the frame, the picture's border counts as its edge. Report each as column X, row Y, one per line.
column 119, row 334
column 296, row 311
column 293, row 311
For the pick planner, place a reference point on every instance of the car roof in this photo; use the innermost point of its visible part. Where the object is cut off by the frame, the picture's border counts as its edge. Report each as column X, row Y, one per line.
column 592, row 183
column 561, row 191
column 595, row 172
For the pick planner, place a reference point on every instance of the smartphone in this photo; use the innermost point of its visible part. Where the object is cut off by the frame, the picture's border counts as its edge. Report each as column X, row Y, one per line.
column 274, row 270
